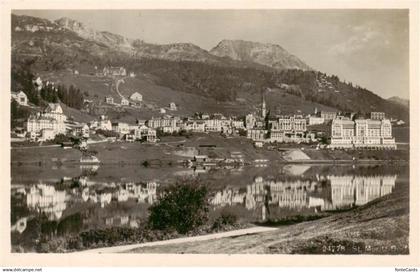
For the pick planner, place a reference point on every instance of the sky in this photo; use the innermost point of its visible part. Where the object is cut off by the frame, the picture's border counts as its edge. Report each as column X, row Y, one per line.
column 370, row 48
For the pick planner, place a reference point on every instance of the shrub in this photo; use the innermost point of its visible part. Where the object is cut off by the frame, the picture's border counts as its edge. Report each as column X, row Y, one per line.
column 225, row 219
column 182, row 207
column 242, row 132
column 61, row 138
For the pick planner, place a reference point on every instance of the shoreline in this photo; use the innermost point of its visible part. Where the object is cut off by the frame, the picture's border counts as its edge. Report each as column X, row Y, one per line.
column 360, row 221
column 248, row 164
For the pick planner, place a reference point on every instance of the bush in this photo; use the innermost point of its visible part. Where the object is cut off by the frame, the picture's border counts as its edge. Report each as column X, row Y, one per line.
column 182, row 207
column 18, row 114
column 225, row 219
column 242, row 132
column 61, row 138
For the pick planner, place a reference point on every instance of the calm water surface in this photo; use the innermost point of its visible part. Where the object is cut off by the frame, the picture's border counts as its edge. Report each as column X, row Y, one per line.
column 78, row 198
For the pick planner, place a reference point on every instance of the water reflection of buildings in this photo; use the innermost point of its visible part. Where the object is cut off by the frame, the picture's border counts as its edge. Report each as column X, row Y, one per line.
column 228, row 197
column 288, row 194
column 122, row 220
column 47, row 199
column 89, row 167
column 143, row 193
column 358, row 190
column 345, row 191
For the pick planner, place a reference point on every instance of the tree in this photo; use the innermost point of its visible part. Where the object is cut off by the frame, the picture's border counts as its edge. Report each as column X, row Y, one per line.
column 242, row 132
column 18, row 114
column 182, row 207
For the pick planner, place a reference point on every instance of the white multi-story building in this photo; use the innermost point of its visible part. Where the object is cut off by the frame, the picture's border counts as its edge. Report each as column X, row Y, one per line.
column 342, row 132
column 104, row 123
column 151, row 136
column 145, row 132
column 315, row 120
column 362, row 133
column 376, row 115
column 194, row 126
column 170, row 129
column 288, row 129
column 141, row 132
column 250, row 121
column 328, row 115
column 36, row 124
column 162, row 122
column 259, row 135
column 214, row 125
column 237, row 124
column 122, row 128
column 289, row 124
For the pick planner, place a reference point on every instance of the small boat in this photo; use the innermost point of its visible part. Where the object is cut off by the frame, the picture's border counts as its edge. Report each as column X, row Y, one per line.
column 89, row 160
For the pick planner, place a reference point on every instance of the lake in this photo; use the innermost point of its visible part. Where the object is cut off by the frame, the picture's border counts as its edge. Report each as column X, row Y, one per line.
column 73, row 198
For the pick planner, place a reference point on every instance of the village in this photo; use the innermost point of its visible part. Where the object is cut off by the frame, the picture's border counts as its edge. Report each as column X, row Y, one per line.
column 323, row 129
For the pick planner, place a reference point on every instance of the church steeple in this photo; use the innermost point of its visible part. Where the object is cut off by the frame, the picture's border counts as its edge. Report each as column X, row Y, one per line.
column 263, row 107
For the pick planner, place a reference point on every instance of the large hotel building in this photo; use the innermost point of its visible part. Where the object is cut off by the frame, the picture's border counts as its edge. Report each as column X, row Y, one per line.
column 361, row 133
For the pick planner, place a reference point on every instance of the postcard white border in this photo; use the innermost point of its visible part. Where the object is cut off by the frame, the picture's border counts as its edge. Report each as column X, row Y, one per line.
column 29, row 259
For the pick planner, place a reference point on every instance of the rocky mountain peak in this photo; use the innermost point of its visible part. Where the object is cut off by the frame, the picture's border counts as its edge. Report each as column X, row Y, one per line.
column 271, row 55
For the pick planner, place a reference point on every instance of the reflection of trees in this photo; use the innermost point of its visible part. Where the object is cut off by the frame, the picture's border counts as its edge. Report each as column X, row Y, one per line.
column 18, row 209
column 70, row 224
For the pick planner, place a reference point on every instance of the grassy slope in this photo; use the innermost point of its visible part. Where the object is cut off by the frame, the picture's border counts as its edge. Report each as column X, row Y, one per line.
column 156, row 96
column 380, row 227
column 98, row 86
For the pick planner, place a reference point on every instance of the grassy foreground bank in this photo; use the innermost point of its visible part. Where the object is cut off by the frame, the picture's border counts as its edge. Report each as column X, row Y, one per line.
column 379, row 227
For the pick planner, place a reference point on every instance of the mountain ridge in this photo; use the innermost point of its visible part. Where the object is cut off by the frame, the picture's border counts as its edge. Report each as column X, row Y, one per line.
column 272, row 55
column 186, row 68
column 141, row 49
column 400, row 101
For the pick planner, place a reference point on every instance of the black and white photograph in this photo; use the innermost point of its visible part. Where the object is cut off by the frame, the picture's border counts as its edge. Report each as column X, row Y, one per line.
column 200, row 131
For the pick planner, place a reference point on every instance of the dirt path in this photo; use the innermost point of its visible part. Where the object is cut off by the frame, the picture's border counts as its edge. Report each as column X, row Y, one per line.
column 117, row 84
column 241, row 232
